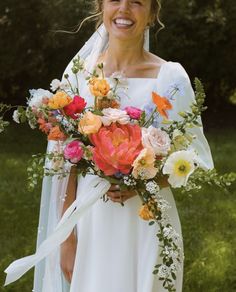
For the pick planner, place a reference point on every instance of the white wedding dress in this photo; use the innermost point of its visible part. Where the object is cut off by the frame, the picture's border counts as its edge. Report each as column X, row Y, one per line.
column 116, row 249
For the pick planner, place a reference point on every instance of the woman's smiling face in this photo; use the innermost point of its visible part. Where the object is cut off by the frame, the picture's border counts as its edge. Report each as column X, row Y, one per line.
column 126, row 19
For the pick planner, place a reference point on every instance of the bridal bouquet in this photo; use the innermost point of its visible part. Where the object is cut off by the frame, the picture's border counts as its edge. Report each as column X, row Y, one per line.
column 123, row 145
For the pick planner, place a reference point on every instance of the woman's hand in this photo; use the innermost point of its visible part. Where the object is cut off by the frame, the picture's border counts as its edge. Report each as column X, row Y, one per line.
column 68, row 253
column 118, row 196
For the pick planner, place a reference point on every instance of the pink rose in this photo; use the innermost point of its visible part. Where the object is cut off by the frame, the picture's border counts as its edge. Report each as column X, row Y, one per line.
column 76, row 106
column 73, row 151
column 133, row 112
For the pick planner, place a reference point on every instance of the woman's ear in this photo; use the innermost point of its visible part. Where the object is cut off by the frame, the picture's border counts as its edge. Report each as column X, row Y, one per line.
column 151, row 20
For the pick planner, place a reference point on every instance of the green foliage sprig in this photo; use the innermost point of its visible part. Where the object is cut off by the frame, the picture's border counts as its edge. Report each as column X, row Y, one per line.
column 3, row 109
column 209, row 177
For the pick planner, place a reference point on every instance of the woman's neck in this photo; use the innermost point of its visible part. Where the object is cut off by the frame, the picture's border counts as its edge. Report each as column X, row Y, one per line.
column 121, row 55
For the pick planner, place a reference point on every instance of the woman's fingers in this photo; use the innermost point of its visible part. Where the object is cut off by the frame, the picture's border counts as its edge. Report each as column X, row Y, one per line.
column 113, row 195
column 114, row 188
column 119, row 197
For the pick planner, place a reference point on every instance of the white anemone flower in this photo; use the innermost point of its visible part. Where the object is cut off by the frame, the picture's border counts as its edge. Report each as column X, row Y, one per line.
column 55, row 84
column 179, row 166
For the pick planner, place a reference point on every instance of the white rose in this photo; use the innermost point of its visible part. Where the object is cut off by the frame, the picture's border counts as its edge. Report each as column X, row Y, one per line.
column 112, row 115
column 156, row 139
column 37, row 96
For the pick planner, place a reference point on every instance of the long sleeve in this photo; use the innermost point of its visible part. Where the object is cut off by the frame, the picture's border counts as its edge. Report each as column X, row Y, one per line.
column 182, row 102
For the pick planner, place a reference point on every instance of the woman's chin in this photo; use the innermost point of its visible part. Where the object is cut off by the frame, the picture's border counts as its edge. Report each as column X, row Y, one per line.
column 121, row 32
column 122, row 35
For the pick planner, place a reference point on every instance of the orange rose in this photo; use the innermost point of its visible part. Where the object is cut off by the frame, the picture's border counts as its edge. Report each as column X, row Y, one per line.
column 56, row 134
column 145, row 213
column 99, row 87
column 89, row 124
column 59, row 100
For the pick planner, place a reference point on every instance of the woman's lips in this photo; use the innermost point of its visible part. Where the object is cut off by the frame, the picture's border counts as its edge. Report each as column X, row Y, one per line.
column 123, row 23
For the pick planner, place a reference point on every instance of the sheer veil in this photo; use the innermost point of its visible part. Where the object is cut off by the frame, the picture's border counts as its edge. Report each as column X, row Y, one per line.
column 47, row 275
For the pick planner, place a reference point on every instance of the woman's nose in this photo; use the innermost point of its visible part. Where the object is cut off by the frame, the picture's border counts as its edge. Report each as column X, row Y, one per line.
column 124, row 6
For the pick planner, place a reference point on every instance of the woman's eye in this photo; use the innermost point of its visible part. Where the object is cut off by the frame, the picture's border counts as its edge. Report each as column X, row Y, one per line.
column 137, row 2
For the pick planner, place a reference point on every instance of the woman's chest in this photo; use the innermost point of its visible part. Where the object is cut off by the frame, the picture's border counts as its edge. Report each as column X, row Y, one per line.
column 133, row 92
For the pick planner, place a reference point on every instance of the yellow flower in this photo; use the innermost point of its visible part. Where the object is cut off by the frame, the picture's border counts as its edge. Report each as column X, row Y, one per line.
column 89, row 124
column 99, row 87
column 59, row 100
column 144, row 164
column 145, row 213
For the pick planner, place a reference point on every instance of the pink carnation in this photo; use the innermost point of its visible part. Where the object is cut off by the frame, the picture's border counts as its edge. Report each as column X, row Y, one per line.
column 73, row 151
column 133, row 112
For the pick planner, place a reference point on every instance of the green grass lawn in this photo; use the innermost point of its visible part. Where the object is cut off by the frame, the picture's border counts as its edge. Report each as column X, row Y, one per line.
column 208, row 217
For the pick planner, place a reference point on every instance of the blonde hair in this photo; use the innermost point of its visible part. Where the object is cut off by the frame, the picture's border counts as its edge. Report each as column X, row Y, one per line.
column 97, row 15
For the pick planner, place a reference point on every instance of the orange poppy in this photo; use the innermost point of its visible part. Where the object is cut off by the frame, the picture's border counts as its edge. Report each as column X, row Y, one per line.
column 162, row 104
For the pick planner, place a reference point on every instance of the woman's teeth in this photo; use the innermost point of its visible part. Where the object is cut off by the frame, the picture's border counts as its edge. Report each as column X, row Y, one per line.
column 123, row 22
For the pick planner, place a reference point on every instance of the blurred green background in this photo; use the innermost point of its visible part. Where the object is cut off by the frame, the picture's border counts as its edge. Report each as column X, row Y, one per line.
column 201, row 35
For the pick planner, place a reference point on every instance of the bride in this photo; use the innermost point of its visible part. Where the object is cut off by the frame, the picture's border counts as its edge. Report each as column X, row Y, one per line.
column 110, row 249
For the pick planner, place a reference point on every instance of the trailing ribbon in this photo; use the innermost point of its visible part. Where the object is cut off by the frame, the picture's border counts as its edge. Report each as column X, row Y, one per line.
column 90, row 189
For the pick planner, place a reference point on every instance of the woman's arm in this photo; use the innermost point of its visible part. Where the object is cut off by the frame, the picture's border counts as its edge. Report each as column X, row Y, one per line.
column 68, row 247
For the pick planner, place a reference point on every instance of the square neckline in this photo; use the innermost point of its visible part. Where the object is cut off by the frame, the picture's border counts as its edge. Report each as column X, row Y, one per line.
column 146, row 78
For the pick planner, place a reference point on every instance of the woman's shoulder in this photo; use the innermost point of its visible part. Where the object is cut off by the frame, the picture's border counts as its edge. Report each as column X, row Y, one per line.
column 174, row 68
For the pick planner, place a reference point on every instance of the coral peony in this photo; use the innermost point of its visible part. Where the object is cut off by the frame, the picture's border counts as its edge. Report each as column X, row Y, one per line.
column 89, row 124
column 74, row 151
column 56, row 134
column 76, row 106
column 99, row 87
column 116, row 147
column 59, row 100
column 134, row 112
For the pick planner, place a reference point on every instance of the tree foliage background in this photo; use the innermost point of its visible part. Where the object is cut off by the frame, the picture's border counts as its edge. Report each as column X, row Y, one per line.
column 200, row 34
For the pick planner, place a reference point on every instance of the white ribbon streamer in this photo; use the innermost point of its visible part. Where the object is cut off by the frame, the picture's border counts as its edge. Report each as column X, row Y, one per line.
column 90, row 189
